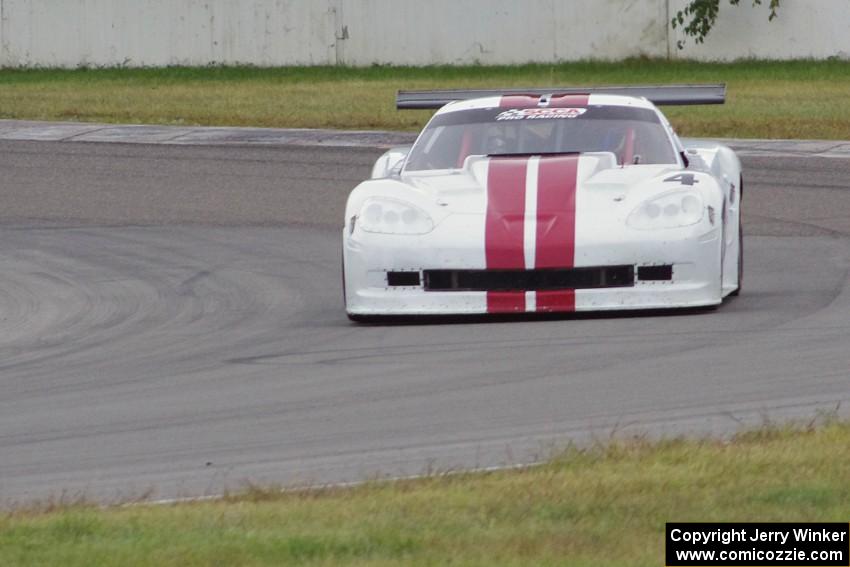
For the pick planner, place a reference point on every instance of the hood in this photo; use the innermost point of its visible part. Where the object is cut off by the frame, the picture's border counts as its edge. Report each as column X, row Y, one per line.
column 594, row 177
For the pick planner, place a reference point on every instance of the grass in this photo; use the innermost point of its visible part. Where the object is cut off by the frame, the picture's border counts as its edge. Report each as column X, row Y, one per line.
column 796, row 99
column 606, row 505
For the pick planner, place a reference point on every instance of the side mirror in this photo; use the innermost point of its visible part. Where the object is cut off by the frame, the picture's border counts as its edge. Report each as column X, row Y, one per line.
column 390, row 164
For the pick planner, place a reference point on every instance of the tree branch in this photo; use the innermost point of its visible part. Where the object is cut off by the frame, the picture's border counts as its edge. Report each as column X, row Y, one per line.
column 699, row 16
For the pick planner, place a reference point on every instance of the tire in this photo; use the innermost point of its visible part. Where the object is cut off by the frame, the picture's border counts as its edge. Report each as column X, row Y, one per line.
column 342, row 273
column 737, row 292
column 722, row 248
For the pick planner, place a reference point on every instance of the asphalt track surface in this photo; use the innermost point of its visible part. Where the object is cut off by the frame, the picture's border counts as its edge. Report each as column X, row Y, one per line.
column 171, row 325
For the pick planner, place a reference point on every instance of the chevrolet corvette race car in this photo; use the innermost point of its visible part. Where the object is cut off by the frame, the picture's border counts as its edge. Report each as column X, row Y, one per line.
column 546, row 200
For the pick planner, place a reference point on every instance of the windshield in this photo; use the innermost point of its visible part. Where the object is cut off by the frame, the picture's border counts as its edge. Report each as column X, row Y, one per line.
column 634, row 135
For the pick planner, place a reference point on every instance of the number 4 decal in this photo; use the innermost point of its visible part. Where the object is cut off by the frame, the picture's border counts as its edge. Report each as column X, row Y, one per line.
column 683, row 178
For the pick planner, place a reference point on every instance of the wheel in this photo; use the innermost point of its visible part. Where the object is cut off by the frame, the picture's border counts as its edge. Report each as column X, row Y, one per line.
column 722, row 247
column 737, row 292
column 342, row 269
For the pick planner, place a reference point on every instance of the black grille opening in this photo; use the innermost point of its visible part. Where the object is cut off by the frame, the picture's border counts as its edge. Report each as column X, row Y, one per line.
column 529, row 280
column 655, row 273
column 403, row 278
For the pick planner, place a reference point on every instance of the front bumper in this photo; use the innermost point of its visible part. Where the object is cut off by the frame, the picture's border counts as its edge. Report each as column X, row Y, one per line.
column 369, row 258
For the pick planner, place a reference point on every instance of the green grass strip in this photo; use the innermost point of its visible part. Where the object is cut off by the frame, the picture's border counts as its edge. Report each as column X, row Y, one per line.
column 797, row 99
column 606, row 505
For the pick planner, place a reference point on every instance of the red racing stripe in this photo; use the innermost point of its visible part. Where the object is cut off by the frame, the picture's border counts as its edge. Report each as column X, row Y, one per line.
column 556, row 225
column 504, row 225
column 505, row 302
column 569, row 101
column 530, row 101
column 518, row 101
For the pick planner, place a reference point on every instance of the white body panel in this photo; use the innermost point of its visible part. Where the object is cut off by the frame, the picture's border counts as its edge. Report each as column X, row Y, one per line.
column 605, row 195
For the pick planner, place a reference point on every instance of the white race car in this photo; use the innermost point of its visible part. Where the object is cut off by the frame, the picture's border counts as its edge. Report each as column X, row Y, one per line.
column 545, row 200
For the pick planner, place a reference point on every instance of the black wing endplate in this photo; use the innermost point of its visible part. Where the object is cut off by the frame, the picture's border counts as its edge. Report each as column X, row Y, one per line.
column 657, row 94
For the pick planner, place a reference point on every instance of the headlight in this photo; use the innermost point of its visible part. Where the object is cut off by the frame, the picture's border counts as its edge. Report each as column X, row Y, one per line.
column 386, row 216
column 671, row 210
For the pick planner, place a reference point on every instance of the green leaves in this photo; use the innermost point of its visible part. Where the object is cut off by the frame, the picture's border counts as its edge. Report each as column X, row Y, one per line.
column 702, row 14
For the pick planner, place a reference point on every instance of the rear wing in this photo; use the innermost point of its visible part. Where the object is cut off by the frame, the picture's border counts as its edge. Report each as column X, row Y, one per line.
column 657, row 94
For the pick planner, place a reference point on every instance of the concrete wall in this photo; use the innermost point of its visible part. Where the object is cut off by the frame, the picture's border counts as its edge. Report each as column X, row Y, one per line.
column 803, row 28
column 501, row 31
column 70, row 33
